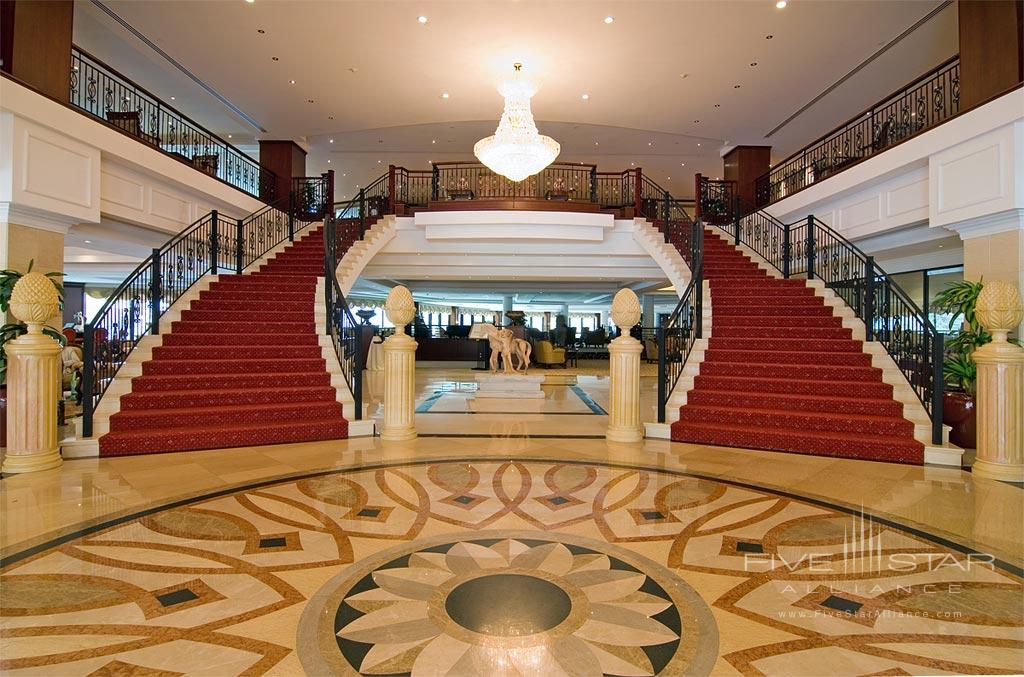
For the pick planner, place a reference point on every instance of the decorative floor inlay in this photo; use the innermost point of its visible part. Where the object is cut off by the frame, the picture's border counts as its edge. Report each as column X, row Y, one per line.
column 498, row 567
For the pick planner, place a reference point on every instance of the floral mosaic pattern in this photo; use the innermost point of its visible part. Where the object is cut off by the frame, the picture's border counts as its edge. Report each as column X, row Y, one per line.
column 241, row 583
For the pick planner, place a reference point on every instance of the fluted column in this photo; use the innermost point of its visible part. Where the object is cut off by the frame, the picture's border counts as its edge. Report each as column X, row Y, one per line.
column 624, row 372
column 1000, row 386
column 399, row 370
column 33, row 380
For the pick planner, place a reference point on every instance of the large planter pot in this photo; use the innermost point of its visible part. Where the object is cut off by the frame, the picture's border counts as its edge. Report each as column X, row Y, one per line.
column 959, row 412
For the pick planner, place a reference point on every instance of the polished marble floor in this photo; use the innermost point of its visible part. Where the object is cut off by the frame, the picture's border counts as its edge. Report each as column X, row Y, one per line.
column 367, row 557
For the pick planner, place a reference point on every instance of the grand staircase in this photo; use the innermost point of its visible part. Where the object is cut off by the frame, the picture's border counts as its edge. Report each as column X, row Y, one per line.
column 781, row 372
column 243, row 366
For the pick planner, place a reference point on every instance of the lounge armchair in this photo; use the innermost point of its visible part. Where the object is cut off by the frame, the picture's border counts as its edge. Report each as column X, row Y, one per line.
column 547, row 354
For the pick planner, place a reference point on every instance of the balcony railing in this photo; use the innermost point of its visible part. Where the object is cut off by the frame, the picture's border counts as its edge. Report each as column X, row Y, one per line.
column 102, row 92
column 926, row 102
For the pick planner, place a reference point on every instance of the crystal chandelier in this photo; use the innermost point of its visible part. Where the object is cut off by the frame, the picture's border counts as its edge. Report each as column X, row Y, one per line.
column 517, row 150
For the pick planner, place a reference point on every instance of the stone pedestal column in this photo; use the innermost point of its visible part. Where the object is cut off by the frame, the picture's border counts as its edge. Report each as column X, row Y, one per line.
column 399, row 370
column 33, row 380
column 624, row 372
column 1000, row 393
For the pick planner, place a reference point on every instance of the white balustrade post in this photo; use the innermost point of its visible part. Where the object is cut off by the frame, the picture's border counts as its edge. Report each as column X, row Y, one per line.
column 1000, row 391
column 624, row 372
column 33, row 380
column 399, row 369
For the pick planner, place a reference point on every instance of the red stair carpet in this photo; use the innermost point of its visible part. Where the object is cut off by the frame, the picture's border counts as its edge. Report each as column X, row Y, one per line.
column 782, row 373
column 242, row 367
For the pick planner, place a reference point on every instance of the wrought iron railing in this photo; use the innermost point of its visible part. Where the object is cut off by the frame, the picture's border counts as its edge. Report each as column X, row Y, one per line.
column 473, row 180
column 210, row 245
column 345, row 332
column 926, row 102
column 102, row 92
column 311, row 196
column 615, row 189
column 678, row 333
column 412, row 187
column 811, row 249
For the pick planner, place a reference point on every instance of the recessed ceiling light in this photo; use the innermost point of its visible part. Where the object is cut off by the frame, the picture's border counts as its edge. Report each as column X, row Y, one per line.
column 682, row 164
column 422, row 19
column 585, row 97
column 684, row 75
column 291, row 82
column 433, row 141
column 260, row 31
column 172, row 98
column 632, row 164
column 344, row 174
column 735, row 86
column 328, row 162
column 650, row 143
column 250, row 1
column 274, row 58
column 670, row 178
column 90, row 242
column 309, row 100
column 718, row 105
column 378, row 161
column 753, row 63
column 768, row 37
column 698, row 145
column 609, row 19
column 445, row 95
column 596, row 143
column 330, row 117
column 331, row 141
column 696, row 121
column 781, row 4
column 229, row 136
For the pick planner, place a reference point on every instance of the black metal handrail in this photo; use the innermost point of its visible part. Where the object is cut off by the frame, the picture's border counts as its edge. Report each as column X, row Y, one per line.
column 474, row 180
column 208, row 246
column 810, row 248
column 926, row 102
column 345, row 332
column 678, row 333
column 104, row 93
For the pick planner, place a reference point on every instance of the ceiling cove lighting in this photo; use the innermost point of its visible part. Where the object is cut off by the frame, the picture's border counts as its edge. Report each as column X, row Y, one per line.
column 517, row 150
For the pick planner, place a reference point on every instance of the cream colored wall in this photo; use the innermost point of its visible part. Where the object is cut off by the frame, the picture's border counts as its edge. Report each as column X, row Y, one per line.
column 24, row 244
column 996, row 257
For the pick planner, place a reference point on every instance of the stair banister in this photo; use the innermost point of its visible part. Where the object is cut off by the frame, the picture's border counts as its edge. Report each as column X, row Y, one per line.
column 158, row 282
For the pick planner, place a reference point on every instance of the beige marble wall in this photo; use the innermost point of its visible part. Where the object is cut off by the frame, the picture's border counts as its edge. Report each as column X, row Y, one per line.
column 996, row 257
column 22, row 244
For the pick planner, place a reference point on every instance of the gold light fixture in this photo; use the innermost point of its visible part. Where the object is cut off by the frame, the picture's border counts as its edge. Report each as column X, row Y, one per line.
column 517, row 150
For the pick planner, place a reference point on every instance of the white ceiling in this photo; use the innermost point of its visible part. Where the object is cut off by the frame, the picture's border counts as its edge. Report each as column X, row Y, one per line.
column 375, row 75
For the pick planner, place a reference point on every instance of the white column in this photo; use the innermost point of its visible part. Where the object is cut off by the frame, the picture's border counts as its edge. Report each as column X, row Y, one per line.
column 33, row 380
column 624, row 372
column 647, row 301
column 1000, row 392
column 399, row 370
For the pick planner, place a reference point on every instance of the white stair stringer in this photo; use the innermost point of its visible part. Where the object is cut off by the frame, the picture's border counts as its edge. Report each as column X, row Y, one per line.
column 110, row 403
column 903, row 392
column 691, row 369
column 362, row 252
column 364, row 426
column 663, row 253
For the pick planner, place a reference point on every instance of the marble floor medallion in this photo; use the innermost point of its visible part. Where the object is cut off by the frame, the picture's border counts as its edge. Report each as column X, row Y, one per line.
column 504, row 567
column 508, row 603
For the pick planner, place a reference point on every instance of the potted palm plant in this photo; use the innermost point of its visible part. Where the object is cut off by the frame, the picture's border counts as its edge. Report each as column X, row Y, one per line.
column 959, row 369
column 12, row 330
